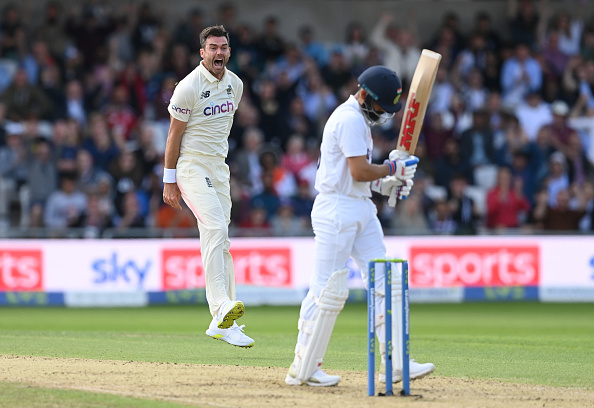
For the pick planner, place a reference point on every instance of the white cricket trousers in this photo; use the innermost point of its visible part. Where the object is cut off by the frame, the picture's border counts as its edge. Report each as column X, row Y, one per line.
column 344, row 226
column 204, row 185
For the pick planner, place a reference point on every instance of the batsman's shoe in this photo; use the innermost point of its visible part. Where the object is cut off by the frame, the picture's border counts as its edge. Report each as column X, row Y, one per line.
column 318, row 379
column 233, row 335
column 230, row 311
column 416, row 370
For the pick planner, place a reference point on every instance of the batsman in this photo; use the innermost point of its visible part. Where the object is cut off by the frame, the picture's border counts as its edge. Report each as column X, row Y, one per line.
column 345, row 224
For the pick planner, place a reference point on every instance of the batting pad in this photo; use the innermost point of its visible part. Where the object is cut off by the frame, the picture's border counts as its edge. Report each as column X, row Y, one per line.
column 319, row 330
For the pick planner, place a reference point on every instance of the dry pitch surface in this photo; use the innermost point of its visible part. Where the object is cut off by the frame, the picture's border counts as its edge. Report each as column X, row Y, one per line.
column 257, row 387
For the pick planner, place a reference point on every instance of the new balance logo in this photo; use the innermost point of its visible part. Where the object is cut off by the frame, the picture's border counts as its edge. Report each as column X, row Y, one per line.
column 208, row 182
column 204, row 94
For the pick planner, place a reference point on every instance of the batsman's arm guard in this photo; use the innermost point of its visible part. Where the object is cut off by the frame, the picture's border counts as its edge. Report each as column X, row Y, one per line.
column 330, row 303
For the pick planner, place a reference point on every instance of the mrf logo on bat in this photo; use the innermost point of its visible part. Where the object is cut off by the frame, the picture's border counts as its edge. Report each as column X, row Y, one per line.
column 417, row 100
column 412, row 111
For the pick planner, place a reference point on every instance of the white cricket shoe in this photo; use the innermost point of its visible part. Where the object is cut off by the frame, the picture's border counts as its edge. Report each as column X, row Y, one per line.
column 233, row 335
column 229, row 312
column 416, row 370
column 318, row 379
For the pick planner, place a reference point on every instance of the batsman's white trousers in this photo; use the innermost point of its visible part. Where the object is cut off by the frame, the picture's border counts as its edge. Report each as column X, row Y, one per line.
column 204, row 184
column 344, row 226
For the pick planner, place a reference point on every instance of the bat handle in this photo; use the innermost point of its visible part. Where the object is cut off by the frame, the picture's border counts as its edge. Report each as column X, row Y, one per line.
column 393, row 197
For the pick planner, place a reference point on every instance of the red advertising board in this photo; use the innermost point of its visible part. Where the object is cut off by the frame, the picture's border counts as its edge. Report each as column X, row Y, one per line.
column 183, row 269
column 21, row 270
column 474, row 265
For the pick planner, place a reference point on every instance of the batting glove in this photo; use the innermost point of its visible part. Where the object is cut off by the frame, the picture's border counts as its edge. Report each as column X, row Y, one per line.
column 402, row 165
column 386, row 186
column 400, row 193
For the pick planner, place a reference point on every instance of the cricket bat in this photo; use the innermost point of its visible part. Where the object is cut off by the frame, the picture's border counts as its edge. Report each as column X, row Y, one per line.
column 416, row 104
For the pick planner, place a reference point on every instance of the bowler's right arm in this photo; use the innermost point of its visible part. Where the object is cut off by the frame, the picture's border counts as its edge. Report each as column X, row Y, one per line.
column 171, row 193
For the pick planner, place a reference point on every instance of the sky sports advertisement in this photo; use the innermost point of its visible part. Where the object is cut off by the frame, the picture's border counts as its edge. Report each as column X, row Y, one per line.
column 277, row 271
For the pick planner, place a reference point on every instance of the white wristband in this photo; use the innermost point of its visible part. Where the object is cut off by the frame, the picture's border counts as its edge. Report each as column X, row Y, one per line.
column 169, row 176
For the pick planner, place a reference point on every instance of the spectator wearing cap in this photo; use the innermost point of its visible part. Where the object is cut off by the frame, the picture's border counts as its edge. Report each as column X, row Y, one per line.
column 533, row 114
column 561, row 132
column 520, row 75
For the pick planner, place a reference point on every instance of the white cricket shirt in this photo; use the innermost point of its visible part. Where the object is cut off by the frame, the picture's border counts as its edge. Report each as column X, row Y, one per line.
column 346, row 134
column 208, row 106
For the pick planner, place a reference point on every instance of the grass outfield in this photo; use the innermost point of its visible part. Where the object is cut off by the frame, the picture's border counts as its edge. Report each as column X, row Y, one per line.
column 532, row 343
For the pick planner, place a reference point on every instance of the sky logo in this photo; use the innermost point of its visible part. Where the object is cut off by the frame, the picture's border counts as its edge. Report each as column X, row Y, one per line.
column 181, row 110
column 216, row 109
column 592, row 265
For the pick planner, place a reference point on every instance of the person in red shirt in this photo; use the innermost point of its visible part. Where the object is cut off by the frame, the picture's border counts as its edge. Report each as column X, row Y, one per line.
column 506, row 202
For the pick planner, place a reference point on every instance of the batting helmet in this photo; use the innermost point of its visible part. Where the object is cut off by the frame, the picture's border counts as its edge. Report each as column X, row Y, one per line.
column 384, row 87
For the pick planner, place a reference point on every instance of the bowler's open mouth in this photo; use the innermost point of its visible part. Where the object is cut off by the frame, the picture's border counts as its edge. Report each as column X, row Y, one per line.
column 218, row 63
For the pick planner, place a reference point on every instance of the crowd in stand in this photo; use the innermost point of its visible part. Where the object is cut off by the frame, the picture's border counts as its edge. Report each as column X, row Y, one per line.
column 505, row 144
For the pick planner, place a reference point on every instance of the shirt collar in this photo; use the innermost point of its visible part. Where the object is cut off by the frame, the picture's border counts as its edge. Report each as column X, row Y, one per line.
column 211, row 78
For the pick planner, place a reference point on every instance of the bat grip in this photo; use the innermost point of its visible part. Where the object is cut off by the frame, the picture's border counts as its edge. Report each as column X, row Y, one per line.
column 393, row 197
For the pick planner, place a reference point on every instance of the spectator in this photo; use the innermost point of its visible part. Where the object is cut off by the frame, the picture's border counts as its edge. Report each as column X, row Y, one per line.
column 127, row 176
column 283, row 181
column 312, row 48
column 12, row 41
column 451, row 163
column 440, row 218
column 89, row 177
column 337, row 72
column 561, row 132
column 100, row 144
column 131, row 214
column 89, row 29
column 476, row 143
column 463, row 209
column 355, row 47
column 296, row 157
column 43, row 178
column 13, row 171
column 24, row 100
column 580, row 169
column 559, row 216
column 65, row 207
column 285, row 224
column 523, row 21
column 256, row 224
column 506, row 205
column 397, row 45
column 96, row 218
column 268, row 200
column 52, row 30
column 272, row 45
column 520, row 76
column 570, row 31
column 558, row 178
column 147, row 26
column 533, row 114
column 409, row 217
column 245, row 164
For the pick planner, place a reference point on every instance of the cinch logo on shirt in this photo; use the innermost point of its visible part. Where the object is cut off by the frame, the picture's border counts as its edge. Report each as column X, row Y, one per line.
column 181, row 110
column 216, row 109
